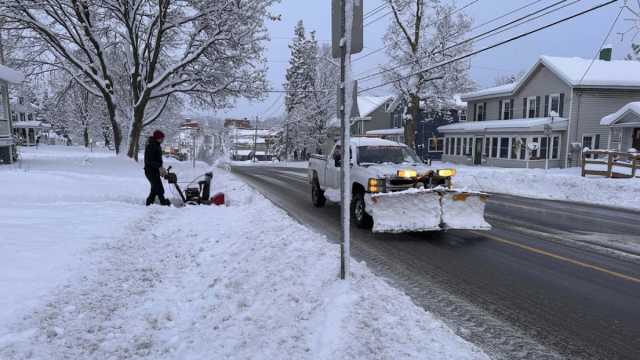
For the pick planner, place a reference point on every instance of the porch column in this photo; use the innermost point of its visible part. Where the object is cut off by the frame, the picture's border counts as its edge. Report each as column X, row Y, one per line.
column 609, row 140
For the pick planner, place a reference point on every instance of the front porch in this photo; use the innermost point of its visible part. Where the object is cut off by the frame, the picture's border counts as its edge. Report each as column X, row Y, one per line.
column 519, row 143
column 624, row 128
column 28, row 133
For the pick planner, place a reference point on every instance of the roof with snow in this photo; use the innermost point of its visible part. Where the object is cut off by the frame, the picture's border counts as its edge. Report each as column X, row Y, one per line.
column 382, row 132
column 366, row 106
column 371, row 141
column 533, row 124
column 31, row 125
column 10, row 75
column 573, row 71
column 630, row 108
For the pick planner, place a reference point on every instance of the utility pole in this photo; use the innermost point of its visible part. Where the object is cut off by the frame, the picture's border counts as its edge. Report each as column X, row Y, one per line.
column 347, row 39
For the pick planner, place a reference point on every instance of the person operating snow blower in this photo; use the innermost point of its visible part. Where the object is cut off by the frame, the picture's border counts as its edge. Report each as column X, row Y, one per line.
column 153, row 169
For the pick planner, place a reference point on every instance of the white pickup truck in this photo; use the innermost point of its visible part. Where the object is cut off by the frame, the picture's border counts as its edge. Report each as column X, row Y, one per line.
column 392, row 190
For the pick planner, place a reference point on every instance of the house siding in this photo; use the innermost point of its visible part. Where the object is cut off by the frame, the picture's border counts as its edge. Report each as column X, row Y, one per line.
column 542, row 82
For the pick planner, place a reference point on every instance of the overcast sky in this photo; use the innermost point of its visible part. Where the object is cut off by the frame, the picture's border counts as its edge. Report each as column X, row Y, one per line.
column 578, row 37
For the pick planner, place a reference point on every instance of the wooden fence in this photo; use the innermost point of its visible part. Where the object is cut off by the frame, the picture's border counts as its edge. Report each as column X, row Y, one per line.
column 614, row 162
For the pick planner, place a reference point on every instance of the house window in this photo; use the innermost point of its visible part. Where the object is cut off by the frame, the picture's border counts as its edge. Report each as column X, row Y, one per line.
column 554, row 105
column 523, row 148
column 480, row 111
column 463, row 115
column 487, row 146
column 21, row 100
column 504, row 147
column 515, row 148
column 22, row 117
column 506, row 110
column 494, row 147
column 14, row 117
column 30, row 116
column 458, row 146
column 543, row 148
column 591, row 141
column 534, row 154
column 436, row 144
column 468, row 149
column 555, row 148
column 531, row 107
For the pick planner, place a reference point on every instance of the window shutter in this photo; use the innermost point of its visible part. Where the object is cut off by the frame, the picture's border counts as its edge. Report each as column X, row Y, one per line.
column 511, row 111
column 546, row 106
column 500, row 110
column 537, row 106
column 484, row 112
column 561, row 112
column 596, row 145
column 524, row 108
column 475, row 112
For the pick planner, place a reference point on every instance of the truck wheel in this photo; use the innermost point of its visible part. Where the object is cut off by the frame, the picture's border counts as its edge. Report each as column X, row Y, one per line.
column 317, row 195
column 359, row 211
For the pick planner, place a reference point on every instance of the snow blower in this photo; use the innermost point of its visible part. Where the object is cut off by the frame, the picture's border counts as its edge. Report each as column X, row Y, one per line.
column 197, row 191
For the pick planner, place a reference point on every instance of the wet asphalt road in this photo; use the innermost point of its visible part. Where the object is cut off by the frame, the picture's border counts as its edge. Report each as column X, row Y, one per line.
column 540, row 285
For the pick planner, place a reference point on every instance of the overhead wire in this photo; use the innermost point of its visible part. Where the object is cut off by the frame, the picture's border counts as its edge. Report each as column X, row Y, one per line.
column 473, row 53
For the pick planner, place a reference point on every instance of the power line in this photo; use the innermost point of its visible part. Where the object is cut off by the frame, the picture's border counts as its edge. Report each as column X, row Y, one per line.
column 606, row 38
column 473, row 53
column 471, row 30
column 487, row 34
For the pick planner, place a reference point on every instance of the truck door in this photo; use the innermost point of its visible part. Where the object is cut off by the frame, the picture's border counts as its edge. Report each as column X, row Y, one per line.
column 332, row 175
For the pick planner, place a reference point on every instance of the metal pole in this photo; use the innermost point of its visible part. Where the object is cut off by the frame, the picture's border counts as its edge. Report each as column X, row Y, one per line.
column 193, row 148
column 345, row 208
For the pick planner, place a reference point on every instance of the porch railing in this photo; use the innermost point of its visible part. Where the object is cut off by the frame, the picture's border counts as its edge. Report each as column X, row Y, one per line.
column 611, row 164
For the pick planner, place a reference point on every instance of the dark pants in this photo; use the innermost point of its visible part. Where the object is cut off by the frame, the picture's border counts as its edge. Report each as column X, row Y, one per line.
column 157, row 190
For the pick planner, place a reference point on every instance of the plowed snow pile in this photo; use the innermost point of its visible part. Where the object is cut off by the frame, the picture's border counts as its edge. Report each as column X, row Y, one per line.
column 239, row 282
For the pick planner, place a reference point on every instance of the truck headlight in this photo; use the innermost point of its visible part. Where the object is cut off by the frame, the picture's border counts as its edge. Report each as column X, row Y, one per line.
column 376, row 185
column 446, row 172
column 407, row 173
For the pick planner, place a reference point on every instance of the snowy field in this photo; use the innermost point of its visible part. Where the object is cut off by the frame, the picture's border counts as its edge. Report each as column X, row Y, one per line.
column 87, row 272
column 553, row 184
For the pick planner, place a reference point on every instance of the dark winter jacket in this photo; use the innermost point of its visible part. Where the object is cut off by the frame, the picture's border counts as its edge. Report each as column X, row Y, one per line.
column 152, row 155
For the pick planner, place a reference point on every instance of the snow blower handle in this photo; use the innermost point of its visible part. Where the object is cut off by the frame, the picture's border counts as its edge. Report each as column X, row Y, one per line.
column 171, row 178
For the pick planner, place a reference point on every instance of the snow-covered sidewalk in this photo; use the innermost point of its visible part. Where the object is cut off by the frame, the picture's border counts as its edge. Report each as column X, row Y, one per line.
column 89, row 273
column 553, row 184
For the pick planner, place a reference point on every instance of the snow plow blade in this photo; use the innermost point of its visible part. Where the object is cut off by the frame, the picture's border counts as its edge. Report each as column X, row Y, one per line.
column 464, row 210
column 427, row 210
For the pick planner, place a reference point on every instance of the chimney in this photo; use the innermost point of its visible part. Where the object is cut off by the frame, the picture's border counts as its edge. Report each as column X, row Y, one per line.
column 606, row 52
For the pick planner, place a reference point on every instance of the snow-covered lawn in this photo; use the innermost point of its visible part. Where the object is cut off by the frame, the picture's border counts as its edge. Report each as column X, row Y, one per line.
column 553, row 184
column 87, row 272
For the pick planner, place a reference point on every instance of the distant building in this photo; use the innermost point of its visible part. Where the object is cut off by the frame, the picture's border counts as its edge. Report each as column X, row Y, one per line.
column 28, row 128
column 8, row 152
column 237, row 123
column 244, row 144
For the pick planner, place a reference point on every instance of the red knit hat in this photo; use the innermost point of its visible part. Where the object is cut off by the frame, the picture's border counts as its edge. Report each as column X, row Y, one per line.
column 158, row 135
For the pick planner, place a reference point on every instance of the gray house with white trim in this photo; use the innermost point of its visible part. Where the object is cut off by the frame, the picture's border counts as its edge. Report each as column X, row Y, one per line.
column 557, row 105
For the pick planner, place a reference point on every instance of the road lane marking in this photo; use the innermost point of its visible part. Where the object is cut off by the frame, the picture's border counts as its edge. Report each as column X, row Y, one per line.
column 558, row 257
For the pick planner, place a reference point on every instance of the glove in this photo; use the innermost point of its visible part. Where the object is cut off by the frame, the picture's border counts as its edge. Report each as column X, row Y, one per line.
column 163, row 172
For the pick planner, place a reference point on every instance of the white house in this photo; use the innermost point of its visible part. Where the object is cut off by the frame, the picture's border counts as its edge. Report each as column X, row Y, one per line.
column 7, row 144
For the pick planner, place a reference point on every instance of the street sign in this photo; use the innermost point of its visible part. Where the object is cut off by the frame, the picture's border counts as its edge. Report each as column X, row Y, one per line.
column 357, row 38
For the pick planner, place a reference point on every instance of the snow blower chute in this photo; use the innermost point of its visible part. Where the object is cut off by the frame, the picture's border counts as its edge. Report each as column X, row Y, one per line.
column 197, row 192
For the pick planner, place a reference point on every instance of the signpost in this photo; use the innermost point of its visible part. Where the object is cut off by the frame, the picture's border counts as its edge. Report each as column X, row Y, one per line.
column 343, row 29
column 547, row 132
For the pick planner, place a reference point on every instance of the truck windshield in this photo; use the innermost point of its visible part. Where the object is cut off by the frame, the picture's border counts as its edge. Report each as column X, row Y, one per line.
column 386, row 155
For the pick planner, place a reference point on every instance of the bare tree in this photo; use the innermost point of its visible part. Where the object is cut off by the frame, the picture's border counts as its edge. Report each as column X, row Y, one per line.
column 423, row 34
column 139, row 54
column 66, row 35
